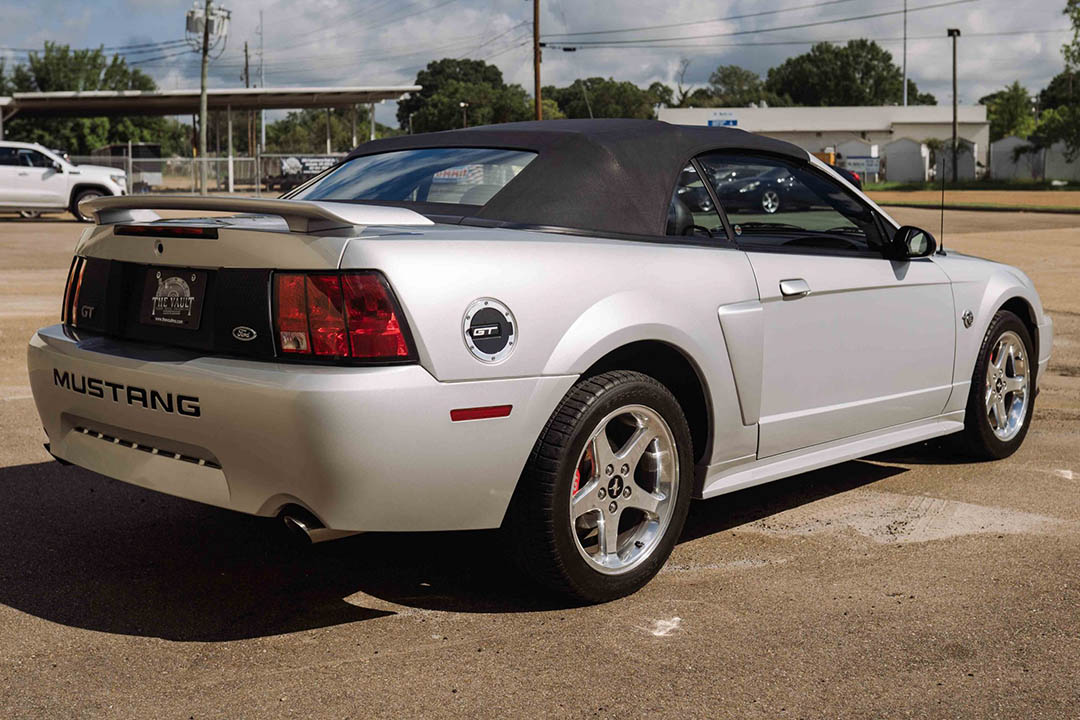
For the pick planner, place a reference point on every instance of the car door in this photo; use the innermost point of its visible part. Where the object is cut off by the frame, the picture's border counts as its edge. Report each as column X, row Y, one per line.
column 43, row 184
column 10, row 177
column 853, row 341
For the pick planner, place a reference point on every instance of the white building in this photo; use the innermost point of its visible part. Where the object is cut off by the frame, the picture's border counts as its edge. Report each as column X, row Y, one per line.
column 817, row 129
column 907, row 160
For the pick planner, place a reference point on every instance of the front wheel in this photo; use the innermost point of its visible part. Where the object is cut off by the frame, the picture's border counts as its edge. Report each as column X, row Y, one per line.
column 604, row 495
column 84, row 195
column 1002, row 395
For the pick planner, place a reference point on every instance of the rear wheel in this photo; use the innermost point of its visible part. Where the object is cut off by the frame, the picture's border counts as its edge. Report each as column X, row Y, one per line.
column 770, row 201
column 1002, row 395
column 84, row 195
column 604, row 496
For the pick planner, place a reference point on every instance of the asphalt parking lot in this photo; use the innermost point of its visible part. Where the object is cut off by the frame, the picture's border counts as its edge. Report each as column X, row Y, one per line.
column 911, row 584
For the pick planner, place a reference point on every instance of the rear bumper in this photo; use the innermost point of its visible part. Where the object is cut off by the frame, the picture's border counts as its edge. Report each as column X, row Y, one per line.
column 361, row 448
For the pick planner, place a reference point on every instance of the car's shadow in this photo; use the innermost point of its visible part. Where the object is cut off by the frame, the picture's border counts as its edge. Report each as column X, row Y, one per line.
column 64, row 218
column 89, row 552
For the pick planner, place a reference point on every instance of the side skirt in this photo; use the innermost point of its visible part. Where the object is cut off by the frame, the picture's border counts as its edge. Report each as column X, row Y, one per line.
column 723, row 478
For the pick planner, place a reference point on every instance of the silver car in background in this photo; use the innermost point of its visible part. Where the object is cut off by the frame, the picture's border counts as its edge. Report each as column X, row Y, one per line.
column 526, row 326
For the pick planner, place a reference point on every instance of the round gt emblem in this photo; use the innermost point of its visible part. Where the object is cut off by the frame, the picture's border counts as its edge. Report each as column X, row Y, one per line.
column 489, row 330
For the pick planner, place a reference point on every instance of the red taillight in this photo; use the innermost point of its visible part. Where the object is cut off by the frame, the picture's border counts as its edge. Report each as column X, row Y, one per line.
column 325, row 316
column 69, row 313
column 351, row 315
column 374, row 330
column 292, row 322
column 856, row 176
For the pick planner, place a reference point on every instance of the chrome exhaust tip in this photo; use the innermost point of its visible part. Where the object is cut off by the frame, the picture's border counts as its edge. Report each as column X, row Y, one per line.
column 310, row 530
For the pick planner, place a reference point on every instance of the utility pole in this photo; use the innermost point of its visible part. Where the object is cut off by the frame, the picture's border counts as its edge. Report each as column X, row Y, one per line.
column 464, row 114
column 905, row 53
column 202, row 99
column 536, row 58
column 371, row 121
column 262, row 84
column 954, row 33
column 206, row 29
column 250, row 115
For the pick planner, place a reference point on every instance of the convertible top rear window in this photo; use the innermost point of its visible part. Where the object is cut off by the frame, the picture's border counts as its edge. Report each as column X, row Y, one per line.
column 455, row 176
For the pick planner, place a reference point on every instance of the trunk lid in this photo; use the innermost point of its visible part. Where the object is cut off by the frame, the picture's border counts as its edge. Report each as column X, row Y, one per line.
column 204, row 283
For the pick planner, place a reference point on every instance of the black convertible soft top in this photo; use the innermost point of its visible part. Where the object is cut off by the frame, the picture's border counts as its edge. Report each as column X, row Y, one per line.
column 610, row 176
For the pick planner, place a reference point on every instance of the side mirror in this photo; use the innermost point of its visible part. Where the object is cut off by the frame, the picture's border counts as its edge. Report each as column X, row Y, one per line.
column 913, row 242
column 57, row 166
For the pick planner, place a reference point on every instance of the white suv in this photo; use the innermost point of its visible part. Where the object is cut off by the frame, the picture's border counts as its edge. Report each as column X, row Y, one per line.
column 34, row 179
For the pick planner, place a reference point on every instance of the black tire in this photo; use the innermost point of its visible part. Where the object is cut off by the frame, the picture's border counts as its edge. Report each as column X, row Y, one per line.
column 770, row 199
column 978, row 438
column 538, row 521
column 87, row 194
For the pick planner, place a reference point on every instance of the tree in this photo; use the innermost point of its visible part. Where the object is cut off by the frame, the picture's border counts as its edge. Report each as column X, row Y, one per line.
column 60, row 68
column 304, row 131
column 1009, row 111
column 1062, row 123
column 550, row 109
column 661, row 94
column 1063, row 89
column 735, row 86
column 859, row 73
column 448, row 82
column 606, row 98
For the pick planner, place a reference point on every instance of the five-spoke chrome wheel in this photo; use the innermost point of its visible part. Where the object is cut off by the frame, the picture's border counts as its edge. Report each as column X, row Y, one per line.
column 624, row 489
column 770, row 201
column 1007, row 381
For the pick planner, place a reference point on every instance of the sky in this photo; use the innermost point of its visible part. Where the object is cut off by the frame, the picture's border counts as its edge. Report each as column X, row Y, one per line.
column 385, row 42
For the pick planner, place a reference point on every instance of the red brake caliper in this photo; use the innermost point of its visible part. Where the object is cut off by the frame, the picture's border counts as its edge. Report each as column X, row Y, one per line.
column 577, row 482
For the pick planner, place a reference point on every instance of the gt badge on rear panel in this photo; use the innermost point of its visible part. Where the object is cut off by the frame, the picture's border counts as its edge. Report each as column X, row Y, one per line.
column 490, row 330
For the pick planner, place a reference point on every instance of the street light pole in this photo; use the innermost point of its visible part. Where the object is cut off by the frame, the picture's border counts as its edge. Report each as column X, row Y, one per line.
column 464, row 114
column 954, row 33
column 905, row 53
column 536, row 59
column 202, row 98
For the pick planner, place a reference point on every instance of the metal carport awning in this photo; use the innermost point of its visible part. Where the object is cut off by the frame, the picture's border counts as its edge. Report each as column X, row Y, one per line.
column 93, row 103
column 96, row 103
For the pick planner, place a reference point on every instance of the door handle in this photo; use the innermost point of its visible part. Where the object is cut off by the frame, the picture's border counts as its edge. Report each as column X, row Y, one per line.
column 24, row 173
column 794, row 288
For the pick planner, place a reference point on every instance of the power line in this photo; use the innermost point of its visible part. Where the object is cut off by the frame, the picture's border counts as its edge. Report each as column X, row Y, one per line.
column 701, row 22
column 815, row 41
column 121, row 49
column 800, row 26
column 385, row 21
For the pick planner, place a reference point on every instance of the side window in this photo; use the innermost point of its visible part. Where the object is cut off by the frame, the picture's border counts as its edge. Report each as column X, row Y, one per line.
column 8, row 156
column 33, row 158
column 774, row 204
column 692, row 210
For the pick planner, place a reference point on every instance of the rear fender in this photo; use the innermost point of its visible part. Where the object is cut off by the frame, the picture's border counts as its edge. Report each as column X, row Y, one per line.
column 632, row 316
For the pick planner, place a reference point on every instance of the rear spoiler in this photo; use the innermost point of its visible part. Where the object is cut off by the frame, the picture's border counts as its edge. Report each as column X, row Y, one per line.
column 302, row 216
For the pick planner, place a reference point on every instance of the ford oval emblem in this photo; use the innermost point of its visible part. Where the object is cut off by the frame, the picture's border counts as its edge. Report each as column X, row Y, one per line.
column 243, row 333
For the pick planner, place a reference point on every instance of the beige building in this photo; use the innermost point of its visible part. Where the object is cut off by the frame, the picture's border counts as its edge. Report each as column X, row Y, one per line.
column 819, row 128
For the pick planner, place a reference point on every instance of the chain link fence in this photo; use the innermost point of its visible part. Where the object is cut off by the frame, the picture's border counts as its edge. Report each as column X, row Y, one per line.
column 271, row 174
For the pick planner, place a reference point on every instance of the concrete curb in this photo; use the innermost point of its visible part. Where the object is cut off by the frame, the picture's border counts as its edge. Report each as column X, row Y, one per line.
column 988, row 208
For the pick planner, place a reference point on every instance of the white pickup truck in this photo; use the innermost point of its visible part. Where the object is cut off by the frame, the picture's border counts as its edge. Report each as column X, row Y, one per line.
column 34, row 179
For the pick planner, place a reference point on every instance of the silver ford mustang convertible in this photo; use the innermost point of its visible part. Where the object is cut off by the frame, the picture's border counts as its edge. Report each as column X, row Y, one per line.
column 564, row 329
